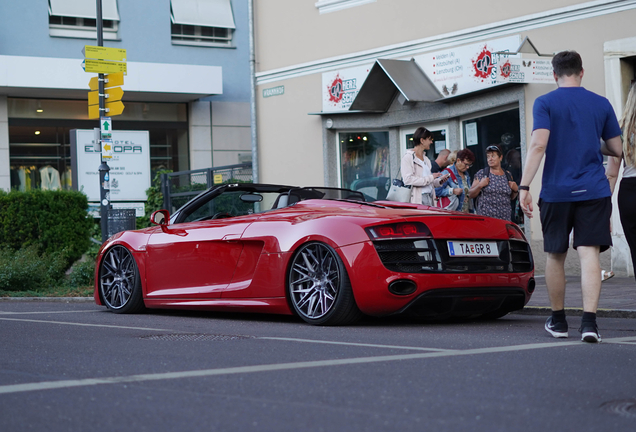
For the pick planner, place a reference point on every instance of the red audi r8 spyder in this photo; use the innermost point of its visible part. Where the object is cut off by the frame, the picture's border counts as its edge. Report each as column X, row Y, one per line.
column 324, row 254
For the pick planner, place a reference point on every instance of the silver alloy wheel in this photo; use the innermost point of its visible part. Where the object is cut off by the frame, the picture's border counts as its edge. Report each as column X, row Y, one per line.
column 314, row 280
column 117, row 277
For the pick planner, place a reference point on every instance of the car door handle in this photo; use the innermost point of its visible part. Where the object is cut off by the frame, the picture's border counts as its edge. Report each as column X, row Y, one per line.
column 232, row 237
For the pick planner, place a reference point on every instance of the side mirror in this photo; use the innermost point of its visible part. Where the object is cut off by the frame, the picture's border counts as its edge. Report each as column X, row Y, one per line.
column 160, row 217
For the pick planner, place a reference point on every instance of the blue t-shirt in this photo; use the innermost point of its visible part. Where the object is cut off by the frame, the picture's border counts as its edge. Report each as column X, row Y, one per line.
column 577, row 120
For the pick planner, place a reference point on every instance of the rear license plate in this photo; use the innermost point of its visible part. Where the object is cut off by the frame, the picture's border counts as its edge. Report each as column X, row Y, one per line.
column 463, row 249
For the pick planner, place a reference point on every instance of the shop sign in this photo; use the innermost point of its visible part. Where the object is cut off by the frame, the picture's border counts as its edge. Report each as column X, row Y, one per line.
column 518, row 70
column 467, row 68
column 340, row 88
column 129, row 165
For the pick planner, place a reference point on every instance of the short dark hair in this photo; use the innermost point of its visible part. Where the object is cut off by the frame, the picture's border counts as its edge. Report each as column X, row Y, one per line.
column 567, row 63
column 421, row 132
column 466, row 154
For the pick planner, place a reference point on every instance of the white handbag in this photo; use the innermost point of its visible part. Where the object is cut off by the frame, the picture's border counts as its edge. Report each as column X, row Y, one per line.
column 399, row 192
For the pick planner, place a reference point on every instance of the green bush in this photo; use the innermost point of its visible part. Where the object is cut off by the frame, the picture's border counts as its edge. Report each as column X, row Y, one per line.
column 82, row 274
column 49, row 221
column 26, row 269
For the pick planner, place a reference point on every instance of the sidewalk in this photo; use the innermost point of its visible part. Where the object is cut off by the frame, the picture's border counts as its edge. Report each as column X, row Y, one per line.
column 618, row 298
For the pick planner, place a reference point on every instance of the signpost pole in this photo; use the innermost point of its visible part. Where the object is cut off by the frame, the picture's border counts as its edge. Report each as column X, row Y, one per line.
column 104, row 176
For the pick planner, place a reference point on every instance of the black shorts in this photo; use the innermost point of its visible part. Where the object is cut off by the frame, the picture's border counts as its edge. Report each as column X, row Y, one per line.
column 590, row 220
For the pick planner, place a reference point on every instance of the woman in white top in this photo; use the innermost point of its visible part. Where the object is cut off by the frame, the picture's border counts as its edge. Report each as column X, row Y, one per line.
column 627, row 191
column 416, row 169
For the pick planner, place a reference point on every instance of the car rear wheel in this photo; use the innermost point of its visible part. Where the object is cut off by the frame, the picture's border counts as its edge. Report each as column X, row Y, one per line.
column 319, row 287
column 119, row 281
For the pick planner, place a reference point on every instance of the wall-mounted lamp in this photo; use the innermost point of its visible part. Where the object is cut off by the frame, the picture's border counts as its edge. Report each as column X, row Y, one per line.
column 37, row 132
column 39, row 108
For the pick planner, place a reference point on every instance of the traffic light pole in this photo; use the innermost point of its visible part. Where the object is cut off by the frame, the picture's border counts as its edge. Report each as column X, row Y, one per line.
column 104, row 169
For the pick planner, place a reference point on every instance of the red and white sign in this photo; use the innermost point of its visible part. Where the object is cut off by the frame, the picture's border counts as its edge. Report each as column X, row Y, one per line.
column 340, row 88
column 468, row 68
column 518, row 70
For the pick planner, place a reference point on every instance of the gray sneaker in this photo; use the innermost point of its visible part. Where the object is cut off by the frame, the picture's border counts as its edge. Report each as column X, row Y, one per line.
column 557, row 329
column 589, row 333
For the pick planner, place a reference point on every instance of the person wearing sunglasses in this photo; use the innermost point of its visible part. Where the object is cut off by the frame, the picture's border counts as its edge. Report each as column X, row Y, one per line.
column 458, row 184
column 494, row 186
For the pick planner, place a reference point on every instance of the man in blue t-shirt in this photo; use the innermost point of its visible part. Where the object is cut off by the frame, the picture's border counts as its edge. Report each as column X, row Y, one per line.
column 569, row 123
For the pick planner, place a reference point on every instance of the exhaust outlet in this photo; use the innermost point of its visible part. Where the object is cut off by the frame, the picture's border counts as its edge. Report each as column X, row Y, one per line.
column 402, row 287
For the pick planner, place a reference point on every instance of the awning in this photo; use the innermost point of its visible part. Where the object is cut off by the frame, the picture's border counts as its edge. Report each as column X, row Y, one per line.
column 84, row 9
column 388, row 77
column 206, row 13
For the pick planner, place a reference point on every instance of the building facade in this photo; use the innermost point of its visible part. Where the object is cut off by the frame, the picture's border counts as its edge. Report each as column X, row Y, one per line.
column 187, row 83
column 339, row 103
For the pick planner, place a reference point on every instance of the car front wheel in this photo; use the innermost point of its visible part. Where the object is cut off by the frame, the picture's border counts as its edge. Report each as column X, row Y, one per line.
column 119, row 281
column 319, row 287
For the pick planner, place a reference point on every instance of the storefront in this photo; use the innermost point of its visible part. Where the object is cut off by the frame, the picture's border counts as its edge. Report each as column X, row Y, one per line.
column 370, row 113
column 40, row 142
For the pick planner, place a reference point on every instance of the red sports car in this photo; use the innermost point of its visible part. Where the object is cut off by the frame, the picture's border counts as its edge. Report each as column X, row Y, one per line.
column 323, row 254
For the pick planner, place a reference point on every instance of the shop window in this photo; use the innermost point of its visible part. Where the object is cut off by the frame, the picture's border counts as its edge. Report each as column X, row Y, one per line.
column 364, row 158
column 39, row 137
column 202, row 22
column 78, row 19
column 439, row 143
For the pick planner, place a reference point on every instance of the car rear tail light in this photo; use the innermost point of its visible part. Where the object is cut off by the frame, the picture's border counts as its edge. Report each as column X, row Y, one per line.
column 514, row 232
column 399, row 230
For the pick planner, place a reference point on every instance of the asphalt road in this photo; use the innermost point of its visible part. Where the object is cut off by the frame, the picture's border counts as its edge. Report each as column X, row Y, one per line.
column 76, row 367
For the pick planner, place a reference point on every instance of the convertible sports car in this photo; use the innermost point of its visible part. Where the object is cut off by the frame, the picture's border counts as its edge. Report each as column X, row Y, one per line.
column 323, row 254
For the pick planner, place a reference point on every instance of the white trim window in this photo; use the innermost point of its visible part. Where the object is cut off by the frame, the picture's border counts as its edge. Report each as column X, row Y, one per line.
column 326, row 6
column 202, row 22
column 78, row 19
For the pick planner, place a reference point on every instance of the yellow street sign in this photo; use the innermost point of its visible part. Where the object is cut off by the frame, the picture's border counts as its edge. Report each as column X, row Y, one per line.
column 112, row 109
column 114, row 79
column 110, row 95
column 110, row 80
column 104, row 53
column 105, row 67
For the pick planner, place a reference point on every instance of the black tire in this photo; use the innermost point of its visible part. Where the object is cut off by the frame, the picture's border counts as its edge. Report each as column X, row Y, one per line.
column 319, row 288
column 119, row 281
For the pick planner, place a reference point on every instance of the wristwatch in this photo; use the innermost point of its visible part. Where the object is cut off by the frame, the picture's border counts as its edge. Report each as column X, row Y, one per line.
column 526, row 188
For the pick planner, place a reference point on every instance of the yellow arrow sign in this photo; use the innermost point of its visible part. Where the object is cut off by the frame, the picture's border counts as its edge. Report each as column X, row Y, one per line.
column 112, row 109
column 110, row 80
column 106, row 67
column 104, row 53
column 111, row 95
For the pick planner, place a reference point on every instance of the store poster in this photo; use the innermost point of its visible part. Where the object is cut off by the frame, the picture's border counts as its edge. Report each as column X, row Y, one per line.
column 129, row 175
column 525, row 71
column 465, row 69
column 340, row 88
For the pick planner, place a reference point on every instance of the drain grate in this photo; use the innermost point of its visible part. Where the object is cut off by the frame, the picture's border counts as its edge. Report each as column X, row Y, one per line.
column 195, row 337
column 623, row 407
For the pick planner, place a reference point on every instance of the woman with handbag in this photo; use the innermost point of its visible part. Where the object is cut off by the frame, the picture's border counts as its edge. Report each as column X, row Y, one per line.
column 457, row 185
column 416, row 169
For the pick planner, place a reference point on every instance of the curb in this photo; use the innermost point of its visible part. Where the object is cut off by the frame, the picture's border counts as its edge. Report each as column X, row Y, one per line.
column 601, row 313
column 49, row 299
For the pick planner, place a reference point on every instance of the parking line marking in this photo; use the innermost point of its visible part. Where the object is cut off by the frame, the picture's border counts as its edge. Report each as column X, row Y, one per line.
column 83, row 324
column 356, row 344
column 50, row 385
